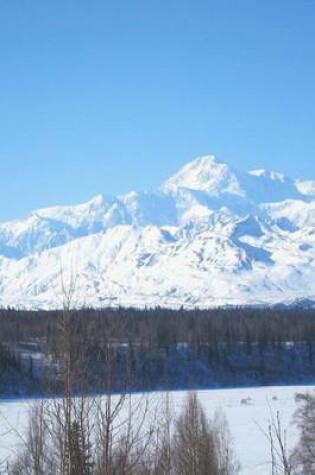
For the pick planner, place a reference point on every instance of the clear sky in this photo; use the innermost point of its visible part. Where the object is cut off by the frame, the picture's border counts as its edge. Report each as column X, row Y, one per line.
column 105, row 96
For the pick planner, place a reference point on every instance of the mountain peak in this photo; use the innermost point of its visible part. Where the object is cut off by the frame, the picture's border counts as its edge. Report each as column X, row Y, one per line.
column 205, row 161
column 211, row 236
column 269, row 175
column 205, row 173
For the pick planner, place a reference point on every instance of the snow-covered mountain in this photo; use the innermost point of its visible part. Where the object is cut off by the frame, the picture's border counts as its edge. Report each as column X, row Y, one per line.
column 209, row 235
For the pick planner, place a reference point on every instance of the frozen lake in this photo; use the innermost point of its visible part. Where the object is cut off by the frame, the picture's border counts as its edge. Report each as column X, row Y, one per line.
column 246, row 421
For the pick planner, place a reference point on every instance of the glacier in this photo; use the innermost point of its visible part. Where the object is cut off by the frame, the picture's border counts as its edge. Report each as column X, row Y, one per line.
column 208, row 236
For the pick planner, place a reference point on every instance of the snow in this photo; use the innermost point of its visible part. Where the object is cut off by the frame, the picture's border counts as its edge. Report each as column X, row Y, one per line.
column 247, row 421
column 207, row 174
column 306, row 187
column 269, row 175
column 210, row 235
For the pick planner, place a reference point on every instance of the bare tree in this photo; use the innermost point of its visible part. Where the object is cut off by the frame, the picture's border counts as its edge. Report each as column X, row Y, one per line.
column 194, row 441
column 78, row 434
column 35, row 457
column 163, row 453
column 227, row 461
column 281, row 459
column 304, row 417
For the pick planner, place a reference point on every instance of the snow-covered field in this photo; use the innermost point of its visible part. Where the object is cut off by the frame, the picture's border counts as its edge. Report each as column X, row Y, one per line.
column 247, row 421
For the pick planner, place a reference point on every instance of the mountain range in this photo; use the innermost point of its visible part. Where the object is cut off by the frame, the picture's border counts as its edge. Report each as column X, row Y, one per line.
column 209, row 235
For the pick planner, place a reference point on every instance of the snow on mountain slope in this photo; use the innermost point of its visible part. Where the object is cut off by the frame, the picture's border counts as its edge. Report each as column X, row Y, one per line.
column 306, row 187
column 209, row 235
column 265, row 186
column 207, row 174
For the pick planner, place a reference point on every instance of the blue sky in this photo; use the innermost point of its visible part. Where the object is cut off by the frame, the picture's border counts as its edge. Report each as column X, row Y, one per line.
column 108, row 96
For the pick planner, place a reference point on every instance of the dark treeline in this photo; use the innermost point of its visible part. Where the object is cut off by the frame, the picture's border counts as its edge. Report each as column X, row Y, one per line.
column 157, row 348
